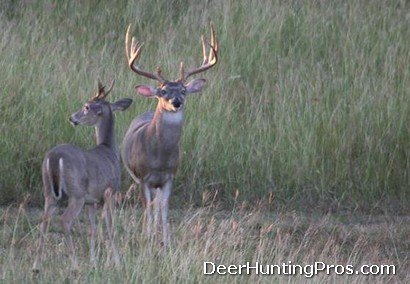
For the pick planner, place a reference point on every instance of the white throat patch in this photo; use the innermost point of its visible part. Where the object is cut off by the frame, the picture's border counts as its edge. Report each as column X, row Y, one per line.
column 173, row 117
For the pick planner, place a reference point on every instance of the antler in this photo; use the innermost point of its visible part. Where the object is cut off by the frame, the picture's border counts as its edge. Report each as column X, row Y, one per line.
column 133, row 51
column 208, row 62
column 102, row 93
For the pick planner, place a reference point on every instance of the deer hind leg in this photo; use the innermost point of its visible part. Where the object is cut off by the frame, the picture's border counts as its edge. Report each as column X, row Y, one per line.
column 134, row 186
column 147, row 211
column 67, row 220
column 92, row 212
column 49, row 209
column 109, row 204
column 166, row 193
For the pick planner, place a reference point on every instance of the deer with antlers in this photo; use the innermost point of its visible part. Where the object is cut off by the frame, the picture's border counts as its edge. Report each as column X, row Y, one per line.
column 150, row 149
column 84, row 177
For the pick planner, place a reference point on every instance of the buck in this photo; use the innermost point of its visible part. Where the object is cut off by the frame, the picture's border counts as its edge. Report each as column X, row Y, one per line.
column 84, row 177
column 150, row 150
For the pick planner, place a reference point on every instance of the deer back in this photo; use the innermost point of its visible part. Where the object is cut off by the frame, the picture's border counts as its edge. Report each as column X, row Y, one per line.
column 83, row 173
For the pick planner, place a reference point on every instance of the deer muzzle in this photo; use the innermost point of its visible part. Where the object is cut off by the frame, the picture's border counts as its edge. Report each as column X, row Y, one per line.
column 176, row 103
column 73, row 122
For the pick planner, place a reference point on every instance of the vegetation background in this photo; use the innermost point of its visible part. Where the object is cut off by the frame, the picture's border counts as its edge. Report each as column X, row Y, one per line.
column 309, row 103
column 306, row 112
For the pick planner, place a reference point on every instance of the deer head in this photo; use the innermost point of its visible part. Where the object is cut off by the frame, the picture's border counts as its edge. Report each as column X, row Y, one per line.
column 93, row 111
column 171, row 94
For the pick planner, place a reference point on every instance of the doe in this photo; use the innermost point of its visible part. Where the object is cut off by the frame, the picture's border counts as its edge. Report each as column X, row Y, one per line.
column 150, row 149
column 84, row 177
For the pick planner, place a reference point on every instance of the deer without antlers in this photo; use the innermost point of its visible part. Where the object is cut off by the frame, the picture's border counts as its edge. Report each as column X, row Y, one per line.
column 151, row 145
column 84, row 177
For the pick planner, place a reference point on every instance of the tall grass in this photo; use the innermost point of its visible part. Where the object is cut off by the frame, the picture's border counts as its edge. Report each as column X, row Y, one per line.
column 307, row 109
column 206, row 235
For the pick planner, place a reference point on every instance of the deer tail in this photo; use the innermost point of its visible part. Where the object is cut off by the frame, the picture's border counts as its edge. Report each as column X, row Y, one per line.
column 56, row 180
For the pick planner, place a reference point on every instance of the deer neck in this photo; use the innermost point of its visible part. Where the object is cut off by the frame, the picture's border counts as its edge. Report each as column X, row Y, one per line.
column 105, row 133
column 166, row 126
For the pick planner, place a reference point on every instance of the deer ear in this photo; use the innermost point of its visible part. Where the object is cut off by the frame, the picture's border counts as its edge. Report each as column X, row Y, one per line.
column 121, row 104
column 195, row 86
column 146, row 90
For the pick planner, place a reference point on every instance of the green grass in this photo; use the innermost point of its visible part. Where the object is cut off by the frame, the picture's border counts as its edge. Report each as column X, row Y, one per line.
column 309, row 102
column 297, row 150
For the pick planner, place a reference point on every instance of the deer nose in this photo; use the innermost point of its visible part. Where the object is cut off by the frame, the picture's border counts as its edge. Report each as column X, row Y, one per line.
column 176, row 103
column 73, row 122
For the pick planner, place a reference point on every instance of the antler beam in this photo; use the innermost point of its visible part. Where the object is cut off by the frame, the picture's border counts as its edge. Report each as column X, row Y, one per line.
column 133, row 51
column 208, row 61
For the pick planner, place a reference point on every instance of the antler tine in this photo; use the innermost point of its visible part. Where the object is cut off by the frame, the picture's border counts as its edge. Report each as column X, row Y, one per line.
column 133, row 52
column 127, row 40
column 181, row 71
column 208, row 61
column 159, row 74
column 214, row 43
column 100, row 86
column 110, row 88
column 204, row 50
column 102, row 93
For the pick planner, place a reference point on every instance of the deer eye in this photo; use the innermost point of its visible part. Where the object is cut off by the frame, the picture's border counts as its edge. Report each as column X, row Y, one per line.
column 163, row 92
column 86, row 108
column 183, row 92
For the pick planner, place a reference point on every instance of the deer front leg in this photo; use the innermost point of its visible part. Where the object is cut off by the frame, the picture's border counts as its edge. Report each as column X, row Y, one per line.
column 67, row 219
column 108, row 212
column 166, row 193
column 92, row 212
column 157, row 193
column 49, row 209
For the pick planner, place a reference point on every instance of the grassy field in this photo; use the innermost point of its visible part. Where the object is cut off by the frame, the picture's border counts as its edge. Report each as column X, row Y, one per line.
column 211, row 235
column 297, row 149
column 309, row 102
